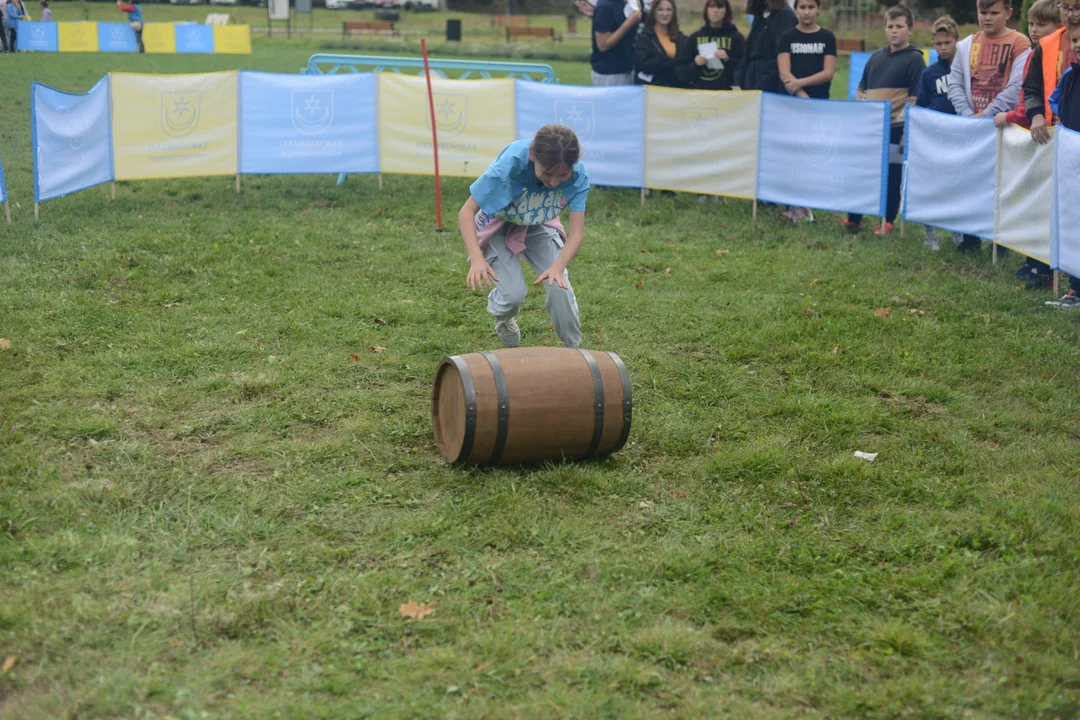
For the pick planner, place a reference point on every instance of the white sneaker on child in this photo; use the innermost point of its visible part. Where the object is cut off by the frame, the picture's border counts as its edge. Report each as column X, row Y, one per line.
column 508, row 331
column 931, row 240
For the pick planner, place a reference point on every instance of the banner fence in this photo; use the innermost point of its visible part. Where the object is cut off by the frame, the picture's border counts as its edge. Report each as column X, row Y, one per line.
column 119, row 37
column 960, row 174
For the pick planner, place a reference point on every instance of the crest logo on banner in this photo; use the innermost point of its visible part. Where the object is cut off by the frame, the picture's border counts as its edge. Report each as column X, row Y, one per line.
column 117, row 34
column 77, row 128
column 194, row 39
column 451, row 114
column 952, row 173
column 37, row 33
column 180, row 112
column 312, row 111
column 699, row 122
column 578, row 116
column 818, row 137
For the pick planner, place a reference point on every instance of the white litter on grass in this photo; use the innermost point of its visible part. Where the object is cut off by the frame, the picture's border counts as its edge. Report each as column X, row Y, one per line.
column 868, row 457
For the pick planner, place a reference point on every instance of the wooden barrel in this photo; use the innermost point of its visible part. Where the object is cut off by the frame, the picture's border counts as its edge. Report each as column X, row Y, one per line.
column 523, row 405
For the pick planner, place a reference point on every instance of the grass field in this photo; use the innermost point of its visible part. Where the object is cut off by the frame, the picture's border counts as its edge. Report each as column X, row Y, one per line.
column 215, row 494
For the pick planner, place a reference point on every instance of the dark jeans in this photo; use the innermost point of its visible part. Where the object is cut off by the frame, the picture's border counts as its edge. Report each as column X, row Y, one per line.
column 892, row 202
column 3, row 37
column 11, row 40
column 138, row 39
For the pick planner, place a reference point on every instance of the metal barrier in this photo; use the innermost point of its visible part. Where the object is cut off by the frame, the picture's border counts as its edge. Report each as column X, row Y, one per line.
column 329, row 64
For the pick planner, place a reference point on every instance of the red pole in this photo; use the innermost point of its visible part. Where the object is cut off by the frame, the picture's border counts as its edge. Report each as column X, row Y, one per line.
column 434, row 138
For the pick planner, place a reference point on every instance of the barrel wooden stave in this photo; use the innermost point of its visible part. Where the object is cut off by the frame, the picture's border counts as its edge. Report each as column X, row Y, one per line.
column 552, row 405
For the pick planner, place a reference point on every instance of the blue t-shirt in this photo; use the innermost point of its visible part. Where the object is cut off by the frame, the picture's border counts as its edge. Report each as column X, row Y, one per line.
column 608, row 17
column 510, row 190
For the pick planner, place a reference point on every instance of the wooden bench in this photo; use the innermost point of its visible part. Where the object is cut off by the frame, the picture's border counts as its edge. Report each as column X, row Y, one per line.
column 509, row 20
column 374, row 26
column 846, row 46
column 547, row 32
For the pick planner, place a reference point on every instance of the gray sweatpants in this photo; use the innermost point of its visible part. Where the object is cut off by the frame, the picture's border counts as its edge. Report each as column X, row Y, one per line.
column 600, row 80
column 541, row 249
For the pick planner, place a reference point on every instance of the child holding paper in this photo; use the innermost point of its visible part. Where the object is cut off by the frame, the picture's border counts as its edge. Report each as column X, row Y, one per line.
column 807, row 63
column 513, row 210
column 712, row 53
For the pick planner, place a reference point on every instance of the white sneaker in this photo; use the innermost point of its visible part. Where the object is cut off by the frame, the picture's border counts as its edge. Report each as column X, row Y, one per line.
column 931, row 242
column 508, row 331
column 1068, row 301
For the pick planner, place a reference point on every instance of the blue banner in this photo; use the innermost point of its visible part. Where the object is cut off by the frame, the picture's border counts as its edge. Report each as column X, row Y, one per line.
column 858, row 64
column 72, row 140
column 609, row 122
column 116, row 37
column 3, row 188
column 38, row 36
column 825, row 154
column 1065, row 211
column 947, row 158
column 193, row 38
column 308, row 123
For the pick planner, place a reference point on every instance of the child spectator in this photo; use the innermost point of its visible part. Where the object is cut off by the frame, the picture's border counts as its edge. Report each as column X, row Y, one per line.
column 1065, row 104
column 758, row 70
column 989, row 69
column 892, row 73
column 719, row 28
column 987, row 74
column 1043, row 20
column 513, row 210
column 934, row 85
column 657, row 47
column 1053, row 54
column 46, row 13
column 807, row 63
column 134, row 13
column 613, row 33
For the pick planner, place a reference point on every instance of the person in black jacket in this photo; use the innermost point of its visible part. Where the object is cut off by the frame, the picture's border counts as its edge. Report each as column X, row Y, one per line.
column 658, row 46
column 758, row 70
column 719, row 28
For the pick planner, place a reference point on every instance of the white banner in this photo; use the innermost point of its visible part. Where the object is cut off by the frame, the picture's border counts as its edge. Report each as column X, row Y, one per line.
column 1065, row 215
column 1024, row 191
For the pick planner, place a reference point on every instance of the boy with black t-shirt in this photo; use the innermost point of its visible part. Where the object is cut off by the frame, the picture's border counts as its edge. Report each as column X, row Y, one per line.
column 807, row 62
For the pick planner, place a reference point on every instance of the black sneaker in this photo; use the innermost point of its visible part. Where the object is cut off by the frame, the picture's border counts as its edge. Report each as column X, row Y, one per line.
column 969, row 245
column 1024, row 272
column 1038, row 280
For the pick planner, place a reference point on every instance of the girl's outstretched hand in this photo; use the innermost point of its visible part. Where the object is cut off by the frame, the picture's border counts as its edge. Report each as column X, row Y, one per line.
column 553, row 274
column 480, row 276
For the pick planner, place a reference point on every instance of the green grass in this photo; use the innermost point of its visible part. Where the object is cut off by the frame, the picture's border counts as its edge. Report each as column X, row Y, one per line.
column 208, row 508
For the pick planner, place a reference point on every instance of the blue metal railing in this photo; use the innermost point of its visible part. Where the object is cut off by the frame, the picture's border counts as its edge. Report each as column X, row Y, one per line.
column 330, row 64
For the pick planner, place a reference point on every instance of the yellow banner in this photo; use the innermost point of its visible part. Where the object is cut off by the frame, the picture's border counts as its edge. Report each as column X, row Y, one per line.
column 232, row 39
column 702, row 141
column 172, row 126
column 77, row 36
column 159, row 37
column 475, row 120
